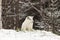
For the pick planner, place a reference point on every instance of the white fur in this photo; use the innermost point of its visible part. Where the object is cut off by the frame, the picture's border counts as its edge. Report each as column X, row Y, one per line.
column 27, row 25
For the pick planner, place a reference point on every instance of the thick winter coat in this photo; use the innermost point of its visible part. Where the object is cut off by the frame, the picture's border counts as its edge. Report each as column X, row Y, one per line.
column 27, row 24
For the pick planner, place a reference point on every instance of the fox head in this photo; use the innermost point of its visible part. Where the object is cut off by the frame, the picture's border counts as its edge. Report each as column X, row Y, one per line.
column 30, row 17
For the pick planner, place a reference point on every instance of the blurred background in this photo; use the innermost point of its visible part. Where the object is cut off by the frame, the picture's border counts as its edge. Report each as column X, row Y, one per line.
column 46, row 14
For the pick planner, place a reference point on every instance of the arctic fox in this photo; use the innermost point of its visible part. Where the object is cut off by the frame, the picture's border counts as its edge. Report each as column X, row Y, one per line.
column 27, row 25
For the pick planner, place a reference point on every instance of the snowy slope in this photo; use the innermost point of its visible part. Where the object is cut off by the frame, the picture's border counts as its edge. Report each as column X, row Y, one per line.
column 35, row 35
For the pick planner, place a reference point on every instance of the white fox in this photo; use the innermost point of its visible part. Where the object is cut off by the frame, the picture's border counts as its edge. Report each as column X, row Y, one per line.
column 27, row 25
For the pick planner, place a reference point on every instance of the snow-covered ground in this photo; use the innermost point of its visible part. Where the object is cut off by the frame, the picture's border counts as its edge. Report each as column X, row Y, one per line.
column 35, row 35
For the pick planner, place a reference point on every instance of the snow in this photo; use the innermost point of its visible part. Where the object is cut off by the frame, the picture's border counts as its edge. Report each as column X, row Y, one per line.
column 31, row 35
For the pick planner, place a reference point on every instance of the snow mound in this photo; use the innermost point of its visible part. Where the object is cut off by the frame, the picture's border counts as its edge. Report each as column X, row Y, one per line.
column 32, row 35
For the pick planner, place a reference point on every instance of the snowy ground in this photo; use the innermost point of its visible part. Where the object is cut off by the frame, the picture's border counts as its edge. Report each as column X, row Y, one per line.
column 35, row 35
